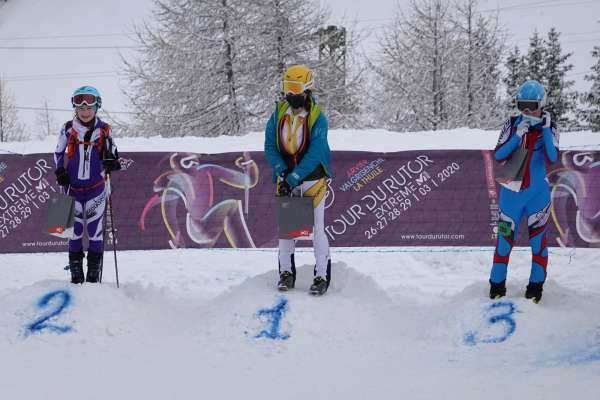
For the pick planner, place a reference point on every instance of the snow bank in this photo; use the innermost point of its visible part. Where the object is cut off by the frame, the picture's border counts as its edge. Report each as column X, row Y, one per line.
column 209, row 323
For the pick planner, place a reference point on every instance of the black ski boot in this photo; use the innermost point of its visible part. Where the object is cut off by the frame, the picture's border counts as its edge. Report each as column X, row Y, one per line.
column 76, row 266
column 319, row 286
column 534, row 291
column 287, row 280
column 94, row 264
column 497, row 290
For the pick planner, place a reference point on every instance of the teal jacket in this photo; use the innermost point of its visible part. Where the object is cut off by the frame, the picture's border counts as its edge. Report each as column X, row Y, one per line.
column 317, row 152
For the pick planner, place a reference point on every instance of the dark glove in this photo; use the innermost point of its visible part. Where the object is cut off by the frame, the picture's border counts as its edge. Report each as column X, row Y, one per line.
column 547, row 120
column 110, row 165
column 62, row 178
column 283, row 188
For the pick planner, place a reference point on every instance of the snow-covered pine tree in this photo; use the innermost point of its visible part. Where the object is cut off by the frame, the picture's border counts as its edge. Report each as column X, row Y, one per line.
column 478, row 76
column 414, row 70
column 285, row 32
column 535, row 59
column 214, row 67
column 339, row 78
column 516, row 73
column 11, row 129
column 491, row 41
column 188, row 79
column 591, row 99
column 561, row 98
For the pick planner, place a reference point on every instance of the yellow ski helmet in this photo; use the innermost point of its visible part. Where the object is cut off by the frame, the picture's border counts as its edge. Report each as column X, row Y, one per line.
column 297, row 79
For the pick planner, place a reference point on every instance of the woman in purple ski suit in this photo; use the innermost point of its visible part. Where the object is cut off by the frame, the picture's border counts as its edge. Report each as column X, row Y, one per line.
column 85, row 153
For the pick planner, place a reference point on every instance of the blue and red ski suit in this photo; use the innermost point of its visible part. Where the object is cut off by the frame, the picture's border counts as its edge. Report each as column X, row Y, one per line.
column 531, row 200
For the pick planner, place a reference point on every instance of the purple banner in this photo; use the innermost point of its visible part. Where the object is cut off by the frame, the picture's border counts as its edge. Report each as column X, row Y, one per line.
column 414, row 198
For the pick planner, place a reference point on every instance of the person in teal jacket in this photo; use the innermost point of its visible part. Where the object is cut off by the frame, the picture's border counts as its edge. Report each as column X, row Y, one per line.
column 297, row 150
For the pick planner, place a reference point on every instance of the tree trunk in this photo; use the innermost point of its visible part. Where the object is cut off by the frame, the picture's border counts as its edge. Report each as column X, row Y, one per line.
column 229, row 73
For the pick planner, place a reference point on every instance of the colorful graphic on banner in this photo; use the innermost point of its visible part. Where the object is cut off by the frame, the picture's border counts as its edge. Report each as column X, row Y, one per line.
column 195, row 185
column 575, row 209
column 413, row 198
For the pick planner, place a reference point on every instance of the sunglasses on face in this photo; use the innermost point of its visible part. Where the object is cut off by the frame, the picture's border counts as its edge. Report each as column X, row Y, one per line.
column 528, row 105
column 82, row 99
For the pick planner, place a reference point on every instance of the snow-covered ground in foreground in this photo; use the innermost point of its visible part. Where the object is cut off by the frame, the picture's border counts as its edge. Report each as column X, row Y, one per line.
column 339, row 139
column 404, row 323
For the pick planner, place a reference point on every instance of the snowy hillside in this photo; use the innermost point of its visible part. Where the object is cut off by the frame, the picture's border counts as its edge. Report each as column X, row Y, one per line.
column 395, row 324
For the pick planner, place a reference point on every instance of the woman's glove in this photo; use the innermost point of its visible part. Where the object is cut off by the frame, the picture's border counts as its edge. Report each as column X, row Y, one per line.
column 62, row 178
column 283, row 188
column 110, row 165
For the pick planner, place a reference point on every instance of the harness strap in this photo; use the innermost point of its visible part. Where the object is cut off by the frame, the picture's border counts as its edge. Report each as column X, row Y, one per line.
column 74, row 140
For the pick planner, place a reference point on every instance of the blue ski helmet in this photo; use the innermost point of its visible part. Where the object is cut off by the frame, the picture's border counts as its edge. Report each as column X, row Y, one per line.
column 87, row 95
column 532, row 91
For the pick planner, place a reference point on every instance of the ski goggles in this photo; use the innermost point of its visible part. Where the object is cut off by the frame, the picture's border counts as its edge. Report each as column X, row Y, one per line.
column 296, row 87
column 528, row 105
column 84, row 99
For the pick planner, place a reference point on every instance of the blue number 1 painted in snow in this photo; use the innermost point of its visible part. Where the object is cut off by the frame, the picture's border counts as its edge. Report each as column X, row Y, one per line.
column 42, row 322
column 274, row 315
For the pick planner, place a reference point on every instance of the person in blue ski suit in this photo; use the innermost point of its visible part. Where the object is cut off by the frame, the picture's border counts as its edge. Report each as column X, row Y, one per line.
column 297, row 150
column 84, row 154
column 533, row 129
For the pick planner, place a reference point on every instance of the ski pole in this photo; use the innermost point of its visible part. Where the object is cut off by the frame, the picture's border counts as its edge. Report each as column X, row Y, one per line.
column 112, row 228
column 103, row 241
column 104, row 224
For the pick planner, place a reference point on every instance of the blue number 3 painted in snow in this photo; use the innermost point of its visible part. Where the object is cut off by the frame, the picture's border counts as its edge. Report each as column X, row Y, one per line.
column 507, row 310
column 64, row 299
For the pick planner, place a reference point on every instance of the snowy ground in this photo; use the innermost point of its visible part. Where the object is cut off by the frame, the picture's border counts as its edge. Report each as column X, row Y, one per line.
column 397, row 323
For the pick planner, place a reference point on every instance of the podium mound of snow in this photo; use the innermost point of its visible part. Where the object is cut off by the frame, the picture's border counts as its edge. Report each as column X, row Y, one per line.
column 250, row 340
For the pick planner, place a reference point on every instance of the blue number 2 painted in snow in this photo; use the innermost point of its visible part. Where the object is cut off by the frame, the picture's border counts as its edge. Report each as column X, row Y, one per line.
column 274, row 315
column 507, row 310
column 64, row 299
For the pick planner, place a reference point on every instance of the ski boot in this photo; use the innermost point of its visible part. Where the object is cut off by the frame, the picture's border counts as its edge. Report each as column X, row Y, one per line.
column 76, row 266
column 287, row 281
column 534, row 291
column 319, row 286
column 497, row 290
column 94, row 264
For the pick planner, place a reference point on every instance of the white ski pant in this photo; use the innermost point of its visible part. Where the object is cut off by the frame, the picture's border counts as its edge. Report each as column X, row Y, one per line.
column 320, row 241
